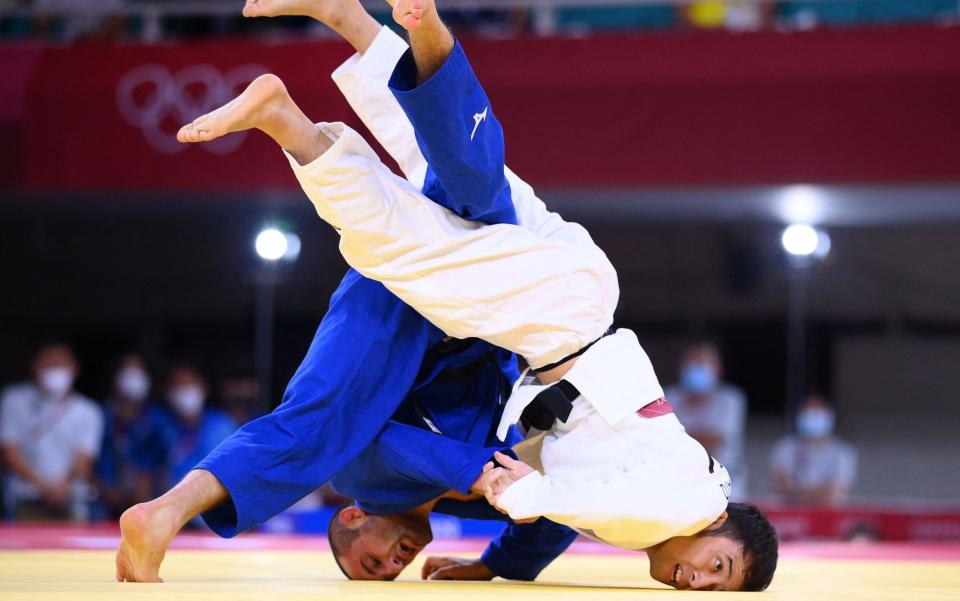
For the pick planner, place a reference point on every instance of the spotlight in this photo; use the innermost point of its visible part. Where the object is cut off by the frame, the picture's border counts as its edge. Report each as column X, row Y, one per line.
column 801, row 240
column 272, row 244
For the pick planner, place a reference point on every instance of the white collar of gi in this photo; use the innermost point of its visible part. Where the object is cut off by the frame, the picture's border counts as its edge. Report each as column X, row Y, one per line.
column 614, row 375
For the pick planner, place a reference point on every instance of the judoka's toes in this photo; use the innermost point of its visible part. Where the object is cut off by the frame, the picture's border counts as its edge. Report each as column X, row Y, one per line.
column 322, row 10
column 262, row 103
column 408, row 13
column 252, row 8
column 185, row 134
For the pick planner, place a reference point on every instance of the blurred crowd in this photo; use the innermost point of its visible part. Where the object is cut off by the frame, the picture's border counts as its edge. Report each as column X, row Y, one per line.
column 68, row 457
column 811, row 466
column 68, row 20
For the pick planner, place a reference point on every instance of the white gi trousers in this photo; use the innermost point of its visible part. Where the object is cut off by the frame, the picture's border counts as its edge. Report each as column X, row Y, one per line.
column 542, row 289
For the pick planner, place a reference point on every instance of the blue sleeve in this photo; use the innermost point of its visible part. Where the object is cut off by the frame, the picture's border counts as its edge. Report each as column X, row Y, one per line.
column 432, row 459
column 360, row 365
column 459, row 136
column 522, row 551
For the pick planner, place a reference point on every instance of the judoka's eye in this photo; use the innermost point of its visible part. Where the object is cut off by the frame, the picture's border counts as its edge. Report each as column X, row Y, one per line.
column 718, row 566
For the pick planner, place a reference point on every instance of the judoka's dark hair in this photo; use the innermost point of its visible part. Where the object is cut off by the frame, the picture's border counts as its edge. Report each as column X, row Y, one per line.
column 340, row 537
column 747, row 525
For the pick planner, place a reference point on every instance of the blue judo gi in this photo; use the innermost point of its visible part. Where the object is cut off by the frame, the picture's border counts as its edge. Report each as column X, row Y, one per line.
column 381, row 405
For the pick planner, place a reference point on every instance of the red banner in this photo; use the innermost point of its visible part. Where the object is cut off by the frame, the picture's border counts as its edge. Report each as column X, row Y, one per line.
column 703, row 108
column 873, row 523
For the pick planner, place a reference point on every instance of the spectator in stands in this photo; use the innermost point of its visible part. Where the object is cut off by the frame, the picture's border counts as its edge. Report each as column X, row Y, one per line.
column 241, row 398
column 50, row 436
column 711, row 410
column 193, row 429
column 131, row 457
column 813, row 466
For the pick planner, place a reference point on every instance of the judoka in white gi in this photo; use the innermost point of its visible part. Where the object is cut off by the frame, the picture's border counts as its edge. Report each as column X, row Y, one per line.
column 613, row 461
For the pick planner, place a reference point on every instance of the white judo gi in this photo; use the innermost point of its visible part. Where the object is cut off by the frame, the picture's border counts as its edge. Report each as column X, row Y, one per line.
column 542, row 289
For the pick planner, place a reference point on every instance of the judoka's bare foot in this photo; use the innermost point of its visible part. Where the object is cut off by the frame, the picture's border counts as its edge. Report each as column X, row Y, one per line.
column 264, row 105
column 321, row 10
column 410, row 14
column 145, row 533
column 259, row 106
column 346, row 17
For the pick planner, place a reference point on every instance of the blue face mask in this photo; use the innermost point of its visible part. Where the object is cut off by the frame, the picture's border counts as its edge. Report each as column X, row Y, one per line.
column 815, row 423
column 698, row 378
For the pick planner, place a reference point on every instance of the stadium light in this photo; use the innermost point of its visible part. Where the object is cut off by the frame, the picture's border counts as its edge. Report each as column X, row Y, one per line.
column 272, row 245
column 802, row 240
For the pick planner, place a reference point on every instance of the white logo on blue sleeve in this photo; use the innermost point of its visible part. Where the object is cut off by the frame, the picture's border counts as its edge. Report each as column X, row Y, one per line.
column 477, row 120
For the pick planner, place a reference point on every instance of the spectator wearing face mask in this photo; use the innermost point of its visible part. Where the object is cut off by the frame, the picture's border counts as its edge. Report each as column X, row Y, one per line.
column 193, row 429
column 712, row 411
column 132, row 453
column 813, row 466
column 50, row 436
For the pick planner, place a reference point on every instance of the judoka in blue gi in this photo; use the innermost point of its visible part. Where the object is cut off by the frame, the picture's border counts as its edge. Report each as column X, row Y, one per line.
column 385, row 406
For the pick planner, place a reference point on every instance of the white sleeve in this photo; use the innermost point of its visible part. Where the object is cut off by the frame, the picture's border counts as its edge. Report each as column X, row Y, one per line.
column 622, row 502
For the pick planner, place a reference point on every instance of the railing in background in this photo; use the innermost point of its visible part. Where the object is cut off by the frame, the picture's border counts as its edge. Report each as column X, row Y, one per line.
column 545, row 17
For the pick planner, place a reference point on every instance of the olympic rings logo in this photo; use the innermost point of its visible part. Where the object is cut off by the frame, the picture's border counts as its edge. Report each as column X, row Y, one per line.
column 159, row 102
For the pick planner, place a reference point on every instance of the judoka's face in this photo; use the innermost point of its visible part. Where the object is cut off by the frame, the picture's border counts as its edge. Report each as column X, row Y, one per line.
column 384, row 545
column 700, row 562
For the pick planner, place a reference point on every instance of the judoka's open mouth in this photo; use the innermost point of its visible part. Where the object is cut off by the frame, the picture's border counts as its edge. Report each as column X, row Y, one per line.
column 676, row 575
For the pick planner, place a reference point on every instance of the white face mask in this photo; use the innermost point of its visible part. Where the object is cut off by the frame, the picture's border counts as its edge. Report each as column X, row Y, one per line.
column 56, row 380
column 133, row 383
column 187, row 400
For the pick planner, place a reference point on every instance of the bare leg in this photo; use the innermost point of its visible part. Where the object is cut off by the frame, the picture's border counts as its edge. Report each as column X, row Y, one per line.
column 264, row 105
column 430, row 39
column 147, row 529
column 346, row 17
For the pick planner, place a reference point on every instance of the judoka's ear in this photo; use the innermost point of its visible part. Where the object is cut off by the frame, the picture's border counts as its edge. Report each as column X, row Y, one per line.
column 352, row 517
column 717, row 523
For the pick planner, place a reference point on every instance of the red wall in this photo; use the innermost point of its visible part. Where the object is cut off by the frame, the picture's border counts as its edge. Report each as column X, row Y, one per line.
column 825, row 106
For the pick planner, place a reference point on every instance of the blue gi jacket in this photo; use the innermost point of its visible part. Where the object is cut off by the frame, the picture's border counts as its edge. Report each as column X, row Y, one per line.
column 378, row 375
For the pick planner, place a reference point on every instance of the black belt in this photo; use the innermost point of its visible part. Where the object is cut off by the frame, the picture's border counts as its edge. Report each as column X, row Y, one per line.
column 553, row 403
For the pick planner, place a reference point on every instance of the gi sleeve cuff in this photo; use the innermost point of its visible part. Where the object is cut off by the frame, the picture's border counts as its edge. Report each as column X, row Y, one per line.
column 342, row 138
column 502, row 564
column 223, row 519
column 404, row 78
column 469, row 475
column 521, row 498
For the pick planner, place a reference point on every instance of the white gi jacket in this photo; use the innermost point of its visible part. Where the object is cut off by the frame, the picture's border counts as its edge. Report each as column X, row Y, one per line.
column 614, row 476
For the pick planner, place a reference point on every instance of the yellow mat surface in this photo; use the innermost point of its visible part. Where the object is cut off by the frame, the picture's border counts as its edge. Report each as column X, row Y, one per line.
column 302, row 575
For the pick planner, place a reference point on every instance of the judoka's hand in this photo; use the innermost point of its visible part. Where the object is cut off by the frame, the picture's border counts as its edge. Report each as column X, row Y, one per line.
column 482, row 484
column 455, row 568
column 501, row 478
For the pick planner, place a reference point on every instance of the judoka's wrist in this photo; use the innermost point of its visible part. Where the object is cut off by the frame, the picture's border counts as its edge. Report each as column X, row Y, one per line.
column 519, row 500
